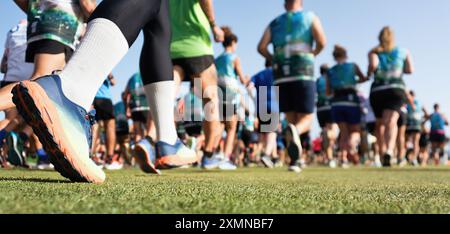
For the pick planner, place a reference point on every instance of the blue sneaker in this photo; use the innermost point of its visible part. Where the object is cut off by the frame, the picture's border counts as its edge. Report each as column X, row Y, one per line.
column 63, row 127
column 227, row 165
column 146, row 157
column 173, row 156
column 212, row 163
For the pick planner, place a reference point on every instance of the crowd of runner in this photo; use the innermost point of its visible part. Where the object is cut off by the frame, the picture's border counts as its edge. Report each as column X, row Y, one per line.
column 223, row 119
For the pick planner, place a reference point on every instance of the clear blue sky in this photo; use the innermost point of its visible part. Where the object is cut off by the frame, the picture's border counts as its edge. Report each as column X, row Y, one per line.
column 420, row 26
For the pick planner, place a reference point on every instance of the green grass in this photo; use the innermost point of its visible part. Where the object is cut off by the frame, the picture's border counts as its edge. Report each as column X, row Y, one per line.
column 316, row 190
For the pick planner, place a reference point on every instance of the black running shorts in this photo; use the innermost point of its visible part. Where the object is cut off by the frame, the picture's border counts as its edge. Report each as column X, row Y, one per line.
column 193, row 67
column 324, row 117
column 140, row 116
column 298, row 97
column 104, row 109
column 5, row 83
column 389, row 99
column 47, row 46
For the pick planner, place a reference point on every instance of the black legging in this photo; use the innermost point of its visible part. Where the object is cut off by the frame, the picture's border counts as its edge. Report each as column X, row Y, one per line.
column 151, row 16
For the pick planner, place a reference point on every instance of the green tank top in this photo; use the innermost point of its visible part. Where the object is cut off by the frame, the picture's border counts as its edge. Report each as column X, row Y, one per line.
column 191, row 32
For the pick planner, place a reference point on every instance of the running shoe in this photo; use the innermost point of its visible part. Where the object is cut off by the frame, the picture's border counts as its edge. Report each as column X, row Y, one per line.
column 98, row 161
column 114, row 166
column 267, row 161
column 63, row 127
column 345, row 164
column 227, row 165
column 387, row 160
column 15, row 151
column 295, row 168
column 294, row 148
column 332, row 163
column 173, row 156
column 44, row 164
column 211, row 163
column 294, row 153
column 277, row 163
column 303, row 163
column 145, row 157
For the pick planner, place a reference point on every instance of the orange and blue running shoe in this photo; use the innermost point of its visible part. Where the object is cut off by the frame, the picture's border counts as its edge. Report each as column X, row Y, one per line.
column 63, row 127
column 173, row 156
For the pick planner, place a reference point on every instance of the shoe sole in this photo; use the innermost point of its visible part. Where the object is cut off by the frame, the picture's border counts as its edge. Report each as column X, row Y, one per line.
column 144, row 161
column 30, row 101
column 174, row 161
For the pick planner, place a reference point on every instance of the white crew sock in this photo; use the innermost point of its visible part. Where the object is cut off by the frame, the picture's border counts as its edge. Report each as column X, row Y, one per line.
column 100, row 51
column 161, row 96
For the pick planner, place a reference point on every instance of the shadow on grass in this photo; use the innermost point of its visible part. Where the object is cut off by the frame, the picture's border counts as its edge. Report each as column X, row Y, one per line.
column 36, row 180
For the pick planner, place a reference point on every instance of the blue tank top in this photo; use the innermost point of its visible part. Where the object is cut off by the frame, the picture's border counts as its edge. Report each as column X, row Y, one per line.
column 265, row 79
column 293, row 40
column 322, row 97
column 138, row 100
column 225, row 65
column 228, row 79
column 389, row 73
column 104, row 92
column 414, row 115
column 437, row 122
column 343, row 76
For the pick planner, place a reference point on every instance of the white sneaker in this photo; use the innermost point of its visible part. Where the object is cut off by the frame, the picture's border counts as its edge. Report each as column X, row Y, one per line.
column 45, row 166
column 332, row 164
column 377, row 162
column 227, row 165
column 114, row 166
column 303, row 164
column 295, row 169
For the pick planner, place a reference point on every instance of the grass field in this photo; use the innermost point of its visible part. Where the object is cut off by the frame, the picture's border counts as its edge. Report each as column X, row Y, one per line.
column 316, row 190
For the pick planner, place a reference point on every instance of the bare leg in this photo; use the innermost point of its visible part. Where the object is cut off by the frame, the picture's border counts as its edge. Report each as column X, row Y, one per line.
column 139, row 132
column 210, row 100
column 110, row 128
column 416, row 142
column 270, row 144
column 11, row 120
column 380, row 129
column 344, row 141
column 302, row 121
column 390, row 119
column 95, row 137
column 354, row 138
column 330, row 134
column 401, row 143
column 230, row 128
